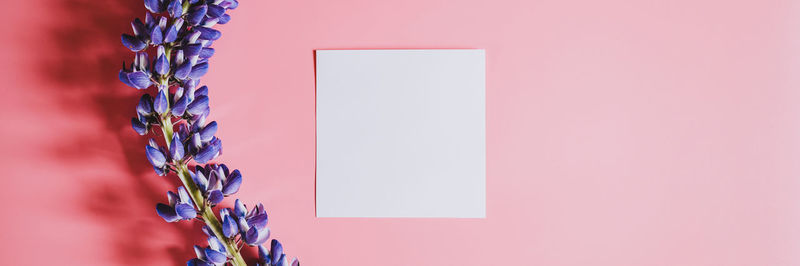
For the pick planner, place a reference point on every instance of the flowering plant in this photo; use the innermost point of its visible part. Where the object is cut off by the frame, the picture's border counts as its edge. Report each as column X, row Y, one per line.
column 181, row 33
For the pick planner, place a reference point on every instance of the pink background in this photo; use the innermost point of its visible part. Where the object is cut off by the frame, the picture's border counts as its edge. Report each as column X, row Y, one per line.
column 619, row 132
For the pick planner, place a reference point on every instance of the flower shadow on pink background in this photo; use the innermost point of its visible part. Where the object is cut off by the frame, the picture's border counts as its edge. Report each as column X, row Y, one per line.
column 108, row 186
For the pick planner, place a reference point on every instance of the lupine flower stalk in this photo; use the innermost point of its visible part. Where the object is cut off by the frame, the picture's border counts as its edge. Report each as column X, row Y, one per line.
column 179, row 35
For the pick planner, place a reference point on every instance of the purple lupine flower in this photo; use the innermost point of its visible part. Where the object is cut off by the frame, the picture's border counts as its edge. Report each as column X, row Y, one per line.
column 176, row 150
column 198, row 70
column 274, row 256
column 198, row 106
column 253, row 224
column 161, row 103
column 181, row 33
column 156, row 157
column 171, row 33
column 229, row 226
column 161, row 65
column 208, row 131
column 134, row 43
column 180, row 206
column 215, row 182
column 213, row 254
column 155, row 6
column 175, row 8
column 139, row 126
column 180, row 106
column 197, row 14
column 145, row 106
column 136, row 79
column 232, row 183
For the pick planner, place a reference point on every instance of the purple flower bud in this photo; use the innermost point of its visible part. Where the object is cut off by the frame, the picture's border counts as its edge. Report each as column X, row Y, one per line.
column 175, row 8
column 197, row 14
column 161, row 102
column 200, row 180
column 259, row 209
column 263, row 254
column 198, row 106
column 145, row 106
column 207, row 153
column 167, row 212
column 182, row 72
column 243, row 227
column 193, row 37
column 171, row 33
column 258, row 221
column 156, row 157
column 199, row 119
column 123, row 76
column 215, row 197
column 192, row 50
column 156, row 36
column 154, row 6
column 210, row 22
column 184, row 195
column 215, row 11
column 229, row 227
column 139, row 80
column 207, row 133
column 218, row 143
column 208, row 33
column 198, row 70
column 138, row 126
column 215, row 256
column 201, row 91
column 206, row 52
column 139, row 28
column 254, row 237
column 230, row 4
column 162, row 63
column 295, row 262
column 180, row 106
column 215, row 244
column 190, row 85
column 149, row 21
column 133, row 43
column 223, row 170
column 239, row 209
column 185, row 211
column 232, row 184
column 213, row 182
column 176, row 148
column 225, row 18
column 276, row 249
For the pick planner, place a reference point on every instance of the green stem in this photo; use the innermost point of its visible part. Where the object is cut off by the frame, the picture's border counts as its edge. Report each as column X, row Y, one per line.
column 199, row 200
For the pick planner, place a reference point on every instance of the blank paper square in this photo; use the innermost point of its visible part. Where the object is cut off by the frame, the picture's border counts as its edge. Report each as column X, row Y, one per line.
column 401, row 133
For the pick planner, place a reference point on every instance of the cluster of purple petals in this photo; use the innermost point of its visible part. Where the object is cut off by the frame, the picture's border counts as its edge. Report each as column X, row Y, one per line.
column 179, row 34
